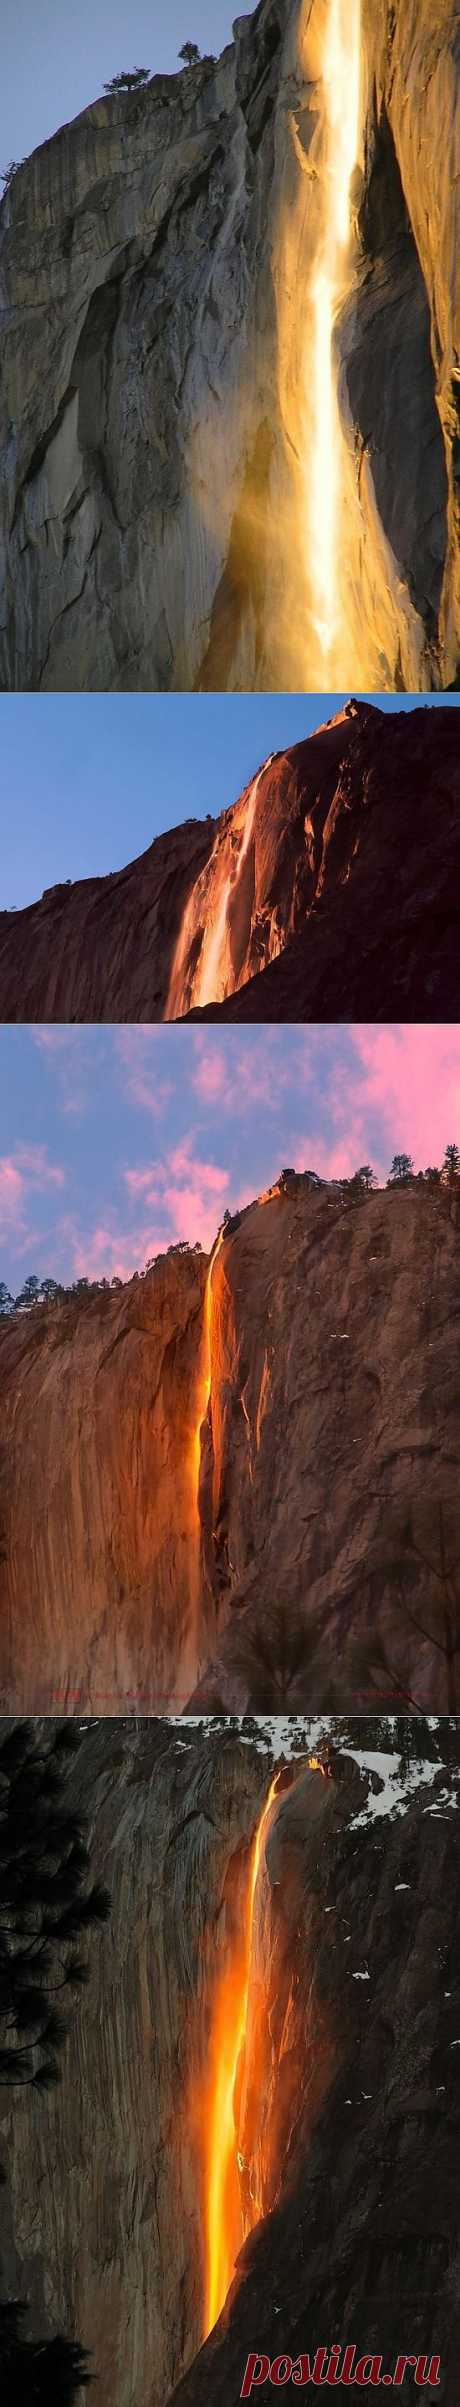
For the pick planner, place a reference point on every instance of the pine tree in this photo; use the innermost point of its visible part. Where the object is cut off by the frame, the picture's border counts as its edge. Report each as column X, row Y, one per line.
column 190, row 54
column 129, row 80
column 402, row 1169
column 46, row 1904
column 38, row 2373
column 451, row 1161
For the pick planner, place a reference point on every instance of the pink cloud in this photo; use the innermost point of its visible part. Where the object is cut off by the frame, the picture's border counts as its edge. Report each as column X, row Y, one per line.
column 187, row 1190
column 69, row 1054
column 209, row 1075
column 33, row 1161
column 140, row 1056
column 238, row 1073
column 411, row 1077
column 11, row 1192
column 105, row 1253
column 25, row 1172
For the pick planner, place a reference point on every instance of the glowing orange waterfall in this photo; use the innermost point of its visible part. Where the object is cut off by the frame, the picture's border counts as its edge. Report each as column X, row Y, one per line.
column 205, row 1367
column 209, row 906
column 224, row 2226
column 213, row 979
column 323, row 458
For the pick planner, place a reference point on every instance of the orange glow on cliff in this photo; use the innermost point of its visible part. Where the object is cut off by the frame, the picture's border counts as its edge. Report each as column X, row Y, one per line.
column 341, row 76
column 205, row 1370
column 224, row 2222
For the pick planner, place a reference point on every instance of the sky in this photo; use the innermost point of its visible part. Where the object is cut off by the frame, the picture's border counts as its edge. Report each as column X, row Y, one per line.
column 56, row 59
column 86, row 781
column 117, row 1142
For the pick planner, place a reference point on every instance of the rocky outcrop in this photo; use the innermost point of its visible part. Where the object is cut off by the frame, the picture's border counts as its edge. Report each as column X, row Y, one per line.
column 328, row 891
column 298, row 1533
column 352, row 2016
column 156, row 449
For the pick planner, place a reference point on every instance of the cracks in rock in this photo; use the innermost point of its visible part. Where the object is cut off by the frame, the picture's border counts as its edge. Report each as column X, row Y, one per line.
column 241, row 587
column 57, row 621
column 39, row 454
column 198, row 1813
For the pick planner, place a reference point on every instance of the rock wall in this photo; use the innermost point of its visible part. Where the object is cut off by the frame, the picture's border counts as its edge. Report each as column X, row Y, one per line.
column 353, row 2013
column 101, row 2222
column 352, row 2086
column 327, row 891
column 100, row 1542
column 156, row 260
column 306, row 1547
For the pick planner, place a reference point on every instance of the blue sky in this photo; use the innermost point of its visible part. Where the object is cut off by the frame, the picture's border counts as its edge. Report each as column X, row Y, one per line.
column 115, row 1142
column 87, row 781
column 56, row 59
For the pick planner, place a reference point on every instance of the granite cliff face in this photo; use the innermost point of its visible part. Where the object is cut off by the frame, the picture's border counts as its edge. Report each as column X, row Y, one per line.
column 156, row 451
column 100, row 1562
column 298, row 1533
column 350, row 2087
column 329, row 890
column 352, row 2018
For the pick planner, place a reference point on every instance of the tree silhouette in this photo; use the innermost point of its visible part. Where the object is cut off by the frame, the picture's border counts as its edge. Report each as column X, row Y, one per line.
column 402, row 1169
column 129, row 80
column 38, row 2373
column 451, row 1161
column 362, row 1181
column 190, row 54
column 7, row 179
column 46, row 1905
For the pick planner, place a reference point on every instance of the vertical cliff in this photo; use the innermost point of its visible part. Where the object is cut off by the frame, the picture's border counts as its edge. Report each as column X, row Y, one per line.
column 157, row 457
column 101, row 2224
column 249, row 1466
column 348, row 2077
column 328, row 890
column 100, row 1550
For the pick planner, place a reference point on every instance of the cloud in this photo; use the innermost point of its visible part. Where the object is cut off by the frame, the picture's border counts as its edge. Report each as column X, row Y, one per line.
column 11, row 1190
column 141, row 1053
column 107, row 1252
column 73, row 1055
column 32, row 1161
column 24, row 1173
column 248, row 1073
column 410, row 1078
column 185, row 1190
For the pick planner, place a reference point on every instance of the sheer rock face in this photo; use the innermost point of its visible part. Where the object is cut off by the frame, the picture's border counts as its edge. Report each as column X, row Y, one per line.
column 351, row 2085
column 100, row 1595
column 101, row 2225
column 328, row 890
column 314, row 1561
column 155, row 260
column 103, row 948
column 353, row 1996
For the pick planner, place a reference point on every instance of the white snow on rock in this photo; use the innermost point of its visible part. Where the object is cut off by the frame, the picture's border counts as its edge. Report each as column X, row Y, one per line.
column 397, row 1784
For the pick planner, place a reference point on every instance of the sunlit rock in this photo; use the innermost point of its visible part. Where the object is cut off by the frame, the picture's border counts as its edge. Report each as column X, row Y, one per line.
column 236, row 1486
column 229, row 414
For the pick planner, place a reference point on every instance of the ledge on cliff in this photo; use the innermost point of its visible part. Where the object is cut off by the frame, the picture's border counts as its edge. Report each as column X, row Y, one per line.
column 329, row 890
